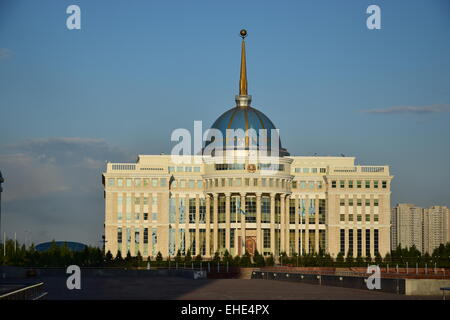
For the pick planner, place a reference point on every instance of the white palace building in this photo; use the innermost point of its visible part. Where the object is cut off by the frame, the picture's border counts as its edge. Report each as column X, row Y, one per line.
column 274, row 203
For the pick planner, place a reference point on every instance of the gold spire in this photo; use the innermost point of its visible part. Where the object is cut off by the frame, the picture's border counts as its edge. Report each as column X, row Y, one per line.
column 243, row 78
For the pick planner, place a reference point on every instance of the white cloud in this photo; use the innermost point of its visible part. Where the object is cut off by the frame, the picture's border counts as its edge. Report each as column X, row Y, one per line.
column 5, row 53
column 439, row 108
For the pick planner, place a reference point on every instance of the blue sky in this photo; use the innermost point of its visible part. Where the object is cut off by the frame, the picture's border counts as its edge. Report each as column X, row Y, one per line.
column 69, row 100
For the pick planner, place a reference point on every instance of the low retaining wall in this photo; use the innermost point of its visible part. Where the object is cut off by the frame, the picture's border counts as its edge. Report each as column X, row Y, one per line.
column 387, row 285
column 426, row 287
column 15, row 272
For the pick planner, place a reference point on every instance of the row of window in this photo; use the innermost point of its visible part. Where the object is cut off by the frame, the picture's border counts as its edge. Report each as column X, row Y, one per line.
column 359, row 235
column 137, row 216
column 350, row 202
column 310, row 170
column 359, row 217
column 137, row 240
column 359, row 184
column 184, row 169
column 137, row 182
column 247, row 182
column 136, row 200
column 306, row 184
column 191, row 184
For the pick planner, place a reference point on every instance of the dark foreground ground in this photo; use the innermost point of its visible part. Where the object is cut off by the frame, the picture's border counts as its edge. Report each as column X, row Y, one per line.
column 169, row 288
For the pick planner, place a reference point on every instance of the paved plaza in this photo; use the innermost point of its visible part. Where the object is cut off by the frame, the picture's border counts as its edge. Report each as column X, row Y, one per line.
column 168, row 288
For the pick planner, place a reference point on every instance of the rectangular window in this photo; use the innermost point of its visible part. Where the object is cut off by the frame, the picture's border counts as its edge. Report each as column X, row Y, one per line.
column 192, row 210
column 359, row 218
column 323, row 170
column 292, row 211
column 154, row 183
column 277, row 211
column 145, row 201
column 375, row 202
column 154, row 241
column 188, row 169
column 342, row 202
column 333, row 184
column 367, row 217
column 342, row 184
column 154, row 216
column 350, row 202
column 359, row 184
column 221, row 240
column 266, row 240
column 128, row 182
column 384, row 184
column 196, row 169
column 312, row 211
column 350, row 242
column 202, row 211
column 137, row 182
column 342, row 218
column 145, row 216
column 375, row 218
column 375, row 184
column 375, row 241
column 314, row 170
column 305, row 170
column 192, row 242
column 350, row 184
column 181, row 210
column 265, row 209
column 342, row 241
column 250, row 209
column 367, row 202
column 119, row 182
column 199, row 184
column 359, row 202
column 232, row 238
column 202, row 241
column 182, row 243
column 294, row 184
column 350, row 217
column 163, row 182
column 359, row 242
column 111, row 182
column 145, row 235
column 367, row 184
column 137, row 200
column 221, row 209
column 367, row 242
column 119, row 235
column 172, row 210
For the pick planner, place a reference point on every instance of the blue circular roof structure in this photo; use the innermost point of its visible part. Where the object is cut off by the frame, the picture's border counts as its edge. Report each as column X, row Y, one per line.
column 253, row 123
column 74, row 246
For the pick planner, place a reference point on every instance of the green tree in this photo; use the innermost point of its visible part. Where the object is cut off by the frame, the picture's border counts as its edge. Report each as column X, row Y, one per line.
column 188, row 257
column 340, row 259
column 108, row 258
column 159, row 258
column 259, row 259
column 270, row 261
column 245, row 260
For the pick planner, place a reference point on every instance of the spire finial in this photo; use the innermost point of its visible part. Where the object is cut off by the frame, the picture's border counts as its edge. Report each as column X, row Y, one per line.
column 243, row 78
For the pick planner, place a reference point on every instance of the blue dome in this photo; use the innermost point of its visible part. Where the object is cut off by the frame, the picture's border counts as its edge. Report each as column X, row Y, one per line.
column 246, row 118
